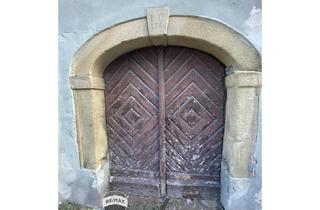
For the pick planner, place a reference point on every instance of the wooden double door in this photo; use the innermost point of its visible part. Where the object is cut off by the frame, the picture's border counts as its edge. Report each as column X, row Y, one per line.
column 165, row 122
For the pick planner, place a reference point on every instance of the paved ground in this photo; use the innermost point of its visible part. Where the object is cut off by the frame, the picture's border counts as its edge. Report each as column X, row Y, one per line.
column 143, row 203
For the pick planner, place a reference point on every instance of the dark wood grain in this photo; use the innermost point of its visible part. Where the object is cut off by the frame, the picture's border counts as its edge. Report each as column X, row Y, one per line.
column 165, row 122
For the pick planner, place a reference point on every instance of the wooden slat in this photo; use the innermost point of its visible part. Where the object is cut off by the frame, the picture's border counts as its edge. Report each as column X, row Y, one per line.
column 134, row 180
column 162, row 124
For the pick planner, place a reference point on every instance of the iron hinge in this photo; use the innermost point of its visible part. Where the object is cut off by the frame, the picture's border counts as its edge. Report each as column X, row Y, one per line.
column 229, row 70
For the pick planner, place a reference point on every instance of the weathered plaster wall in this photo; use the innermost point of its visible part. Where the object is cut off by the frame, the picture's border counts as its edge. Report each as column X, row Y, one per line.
column 81, row 19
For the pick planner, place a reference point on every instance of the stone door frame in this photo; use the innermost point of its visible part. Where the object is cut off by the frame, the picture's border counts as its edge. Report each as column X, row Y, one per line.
column 243, row 82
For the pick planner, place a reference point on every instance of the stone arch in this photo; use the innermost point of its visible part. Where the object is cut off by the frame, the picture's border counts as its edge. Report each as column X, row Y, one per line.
column 203, row 34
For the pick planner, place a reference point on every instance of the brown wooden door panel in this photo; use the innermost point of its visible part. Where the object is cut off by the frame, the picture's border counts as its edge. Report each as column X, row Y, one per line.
column 165, row 121
column 194, row 123
column 132, row 102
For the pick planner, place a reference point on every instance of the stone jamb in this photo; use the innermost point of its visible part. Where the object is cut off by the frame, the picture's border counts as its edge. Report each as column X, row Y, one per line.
column 242, row 106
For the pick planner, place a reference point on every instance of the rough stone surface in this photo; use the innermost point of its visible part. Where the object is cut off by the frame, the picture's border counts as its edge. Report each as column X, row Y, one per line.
column 91, row 125
column 243, row 89
column 78, row 186
column 88, row 82
column 244, row 193
column 229, row 47
column 79, row 20
column 240, row 193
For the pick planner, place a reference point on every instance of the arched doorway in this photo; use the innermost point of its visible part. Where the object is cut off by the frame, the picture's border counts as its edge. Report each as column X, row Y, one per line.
column 165, row 122
column 242, row 83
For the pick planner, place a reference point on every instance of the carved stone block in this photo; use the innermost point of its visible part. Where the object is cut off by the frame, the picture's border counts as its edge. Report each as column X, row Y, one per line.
column 158, row 20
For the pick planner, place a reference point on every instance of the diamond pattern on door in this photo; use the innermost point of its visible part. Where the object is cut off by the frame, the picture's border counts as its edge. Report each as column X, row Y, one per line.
column 194, row 123
column 132, row 122
column 193, row 96
column 132, row 116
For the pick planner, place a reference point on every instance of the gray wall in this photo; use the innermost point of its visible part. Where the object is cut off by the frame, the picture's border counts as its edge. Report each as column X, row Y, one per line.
column 81, row 19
